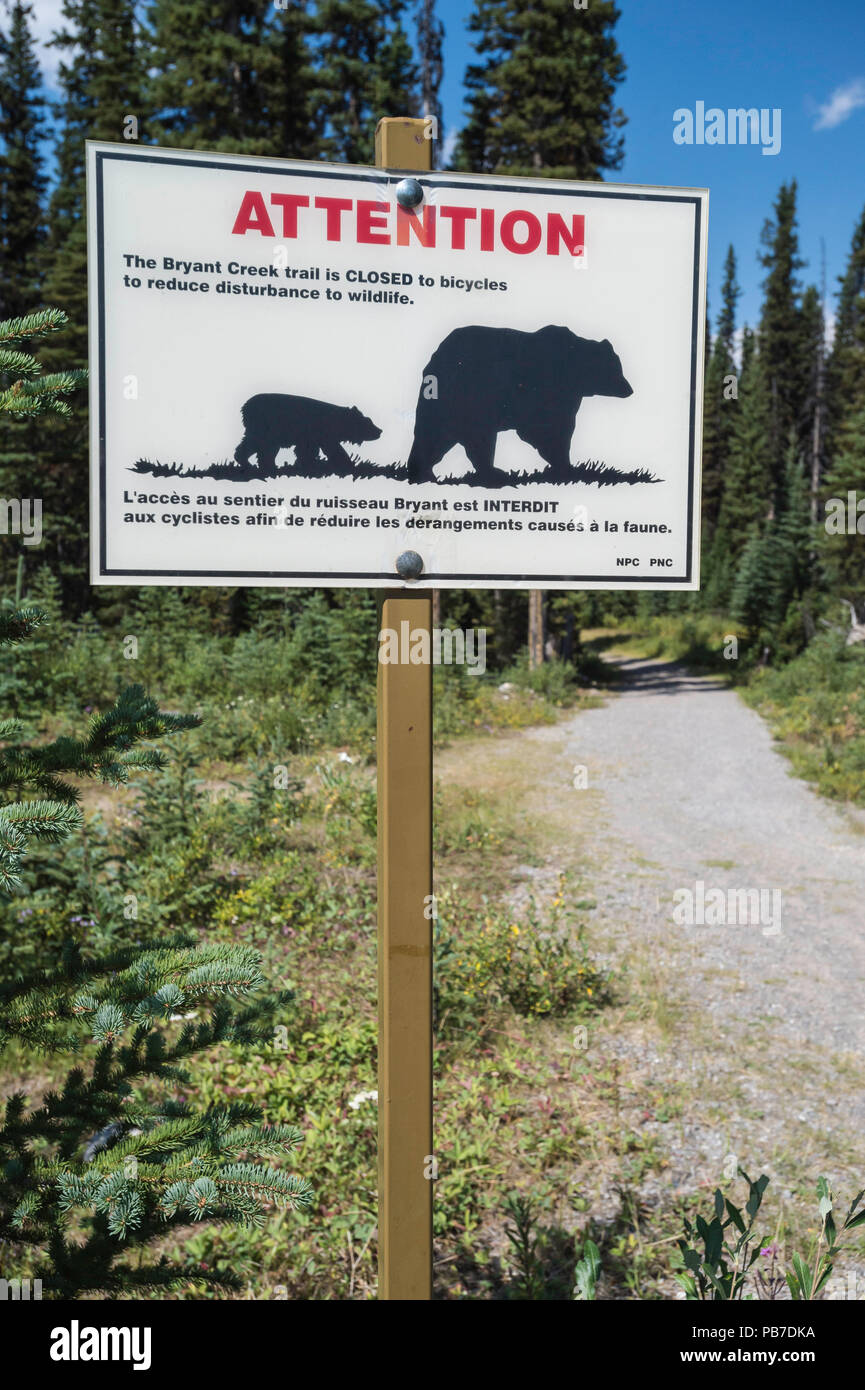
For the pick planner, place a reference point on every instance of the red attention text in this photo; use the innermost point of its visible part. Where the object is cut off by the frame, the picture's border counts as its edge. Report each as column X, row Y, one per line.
column 373, row 223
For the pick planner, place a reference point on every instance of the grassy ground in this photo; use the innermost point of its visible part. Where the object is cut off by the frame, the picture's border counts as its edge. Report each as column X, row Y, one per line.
column 540, row 1140
column 562, row 1109
column 218, row 848
column 553, row 1122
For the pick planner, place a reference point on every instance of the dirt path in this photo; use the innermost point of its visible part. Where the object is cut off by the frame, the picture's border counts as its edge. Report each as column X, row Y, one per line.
column 757, row 1027
column 689, row 780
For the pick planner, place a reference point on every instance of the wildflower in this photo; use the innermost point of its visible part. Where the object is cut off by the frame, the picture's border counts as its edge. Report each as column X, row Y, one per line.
column 361, row 1098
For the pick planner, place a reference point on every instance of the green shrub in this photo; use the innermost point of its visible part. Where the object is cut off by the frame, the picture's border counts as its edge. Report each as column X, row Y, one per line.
column 816, row 706
column 539, row 966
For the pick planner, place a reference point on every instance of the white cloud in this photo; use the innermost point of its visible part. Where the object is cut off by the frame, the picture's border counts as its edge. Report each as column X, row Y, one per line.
column 841, row 104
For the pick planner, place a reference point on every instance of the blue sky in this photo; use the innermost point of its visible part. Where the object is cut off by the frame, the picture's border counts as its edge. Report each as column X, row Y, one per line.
column 806, row 57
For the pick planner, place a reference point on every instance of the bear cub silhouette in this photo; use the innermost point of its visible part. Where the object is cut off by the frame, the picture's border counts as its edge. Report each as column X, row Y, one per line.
column 492, row 379
column 274, row 422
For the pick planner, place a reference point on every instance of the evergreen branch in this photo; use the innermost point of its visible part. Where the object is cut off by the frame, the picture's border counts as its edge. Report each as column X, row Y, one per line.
column 42, row 820
column 37, row 325
column 100, row 1154
column 17, row 626
column 16, row 401
column 21, row 363
column 55, row 382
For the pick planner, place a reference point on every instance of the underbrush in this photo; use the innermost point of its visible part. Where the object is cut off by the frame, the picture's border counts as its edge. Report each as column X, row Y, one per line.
column 696, row 640
column 546, row 1142
column 289, row 869
column 291, row 684
column 815, row 706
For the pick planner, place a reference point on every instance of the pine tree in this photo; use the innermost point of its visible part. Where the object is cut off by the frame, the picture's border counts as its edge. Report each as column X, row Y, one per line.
column 94, row 1170
column 100, row 81
column 845, row 474
column 730, row 292
column 720, row 403
column 27, row 395
column 233, row 76
column 22, row 175
column 430, row 41
column 746, row 498
column 542, row 103
column 784, row 336
column 754, row 591
column 94, row 1157
column 841, row 536
column 297, row 125
column 365, row 70
column 813, row 404
column 774, row 569
column 542, row 100
column 794, row 550
column 91, row 1173
column 847, row 363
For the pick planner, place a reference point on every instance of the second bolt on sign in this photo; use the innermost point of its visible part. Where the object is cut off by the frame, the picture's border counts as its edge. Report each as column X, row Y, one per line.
column 298, row 375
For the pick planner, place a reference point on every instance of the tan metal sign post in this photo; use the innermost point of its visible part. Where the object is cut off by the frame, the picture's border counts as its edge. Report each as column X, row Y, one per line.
column 404, row 755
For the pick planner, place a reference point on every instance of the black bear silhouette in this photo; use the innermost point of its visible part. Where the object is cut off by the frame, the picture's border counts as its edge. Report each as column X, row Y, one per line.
column 483, row 380
column 274, row 422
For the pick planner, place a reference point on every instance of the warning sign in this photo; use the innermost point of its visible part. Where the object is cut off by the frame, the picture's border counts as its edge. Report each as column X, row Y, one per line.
column 302, row 370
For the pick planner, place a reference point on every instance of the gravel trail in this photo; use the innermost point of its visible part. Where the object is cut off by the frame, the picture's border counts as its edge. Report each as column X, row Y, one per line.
column 688, row 780
column 740, row 1043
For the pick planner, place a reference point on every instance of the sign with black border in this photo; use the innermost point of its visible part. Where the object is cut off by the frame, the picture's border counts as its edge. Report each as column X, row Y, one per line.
column 295, row 377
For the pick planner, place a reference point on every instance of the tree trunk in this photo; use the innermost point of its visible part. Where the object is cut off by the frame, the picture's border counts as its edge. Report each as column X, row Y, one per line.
column 536, row 628
column 568, row 644
column 819, row 394
column 817, row 436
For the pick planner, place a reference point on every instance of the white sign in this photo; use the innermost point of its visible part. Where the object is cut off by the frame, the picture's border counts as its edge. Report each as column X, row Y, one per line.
column 295, row 379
